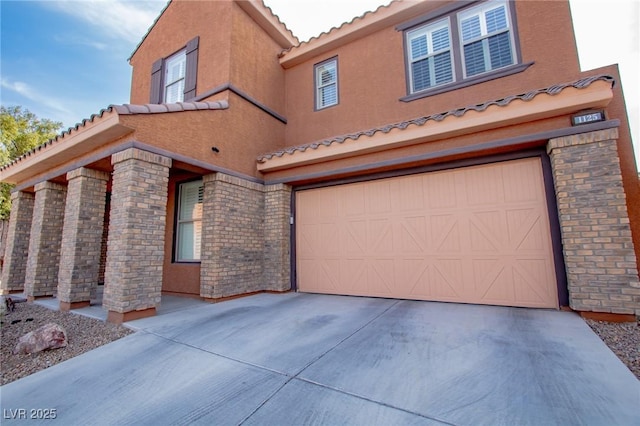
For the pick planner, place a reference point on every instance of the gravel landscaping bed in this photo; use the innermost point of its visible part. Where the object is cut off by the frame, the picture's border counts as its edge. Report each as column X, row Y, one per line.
column 83, row 334
column 623, row 339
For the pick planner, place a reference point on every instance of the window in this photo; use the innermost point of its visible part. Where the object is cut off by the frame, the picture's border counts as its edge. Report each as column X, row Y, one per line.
column 174, row 73
column 326, row 82
column 189, row 223
column 173, row 79
column 456, row 47
column 430, row 56
column 486, row 39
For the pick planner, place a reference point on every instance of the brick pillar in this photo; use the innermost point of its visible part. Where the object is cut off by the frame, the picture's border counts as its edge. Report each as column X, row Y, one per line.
column 277, row 238
column 135, row 252
column 596, row 236
column 41, row 279
column 232, row 237
column 82, row 237
column 17, row 249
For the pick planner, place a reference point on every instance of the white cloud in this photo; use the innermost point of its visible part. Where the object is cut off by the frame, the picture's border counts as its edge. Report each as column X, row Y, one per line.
column 120, row 19
column 52, row 104
column 79, row 41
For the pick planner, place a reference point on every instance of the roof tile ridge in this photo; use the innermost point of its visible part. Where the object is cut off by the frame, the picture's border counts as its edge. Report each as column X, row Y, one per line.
column 280, row 21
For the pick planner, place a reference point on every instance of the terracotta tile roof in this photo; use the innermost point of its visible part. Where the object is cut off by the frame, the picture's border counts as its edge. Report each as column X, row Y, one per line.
column 280, row 21
column 126, row 109
column 130, row 109
column 420, row 121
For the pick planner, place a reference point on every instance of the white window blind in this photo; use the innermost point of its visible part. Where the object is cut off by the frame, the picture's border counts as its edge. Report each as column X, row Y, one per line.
column 486, row 38
column 175, row 71
column 327, row 84
column 430, row 56
column 189, row 232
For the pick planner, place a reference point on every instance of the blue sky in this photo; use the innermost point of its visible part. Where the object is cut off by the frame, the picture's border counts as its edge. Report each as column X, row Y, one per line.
column 66, row 60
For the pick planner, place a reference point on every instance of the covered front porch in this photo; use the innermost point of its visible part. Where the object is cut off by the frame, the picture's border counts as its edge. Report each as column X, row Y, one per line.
column 98, row 205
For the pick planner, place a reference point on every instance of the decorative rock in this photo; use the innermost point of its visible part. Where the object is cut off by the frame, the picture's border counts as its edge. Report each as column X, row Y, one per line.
column 49, row 336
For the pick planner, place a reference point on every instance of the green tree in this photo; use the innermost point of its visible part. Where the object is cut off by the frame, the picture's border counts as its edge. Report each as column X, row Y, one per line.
column 20, row 131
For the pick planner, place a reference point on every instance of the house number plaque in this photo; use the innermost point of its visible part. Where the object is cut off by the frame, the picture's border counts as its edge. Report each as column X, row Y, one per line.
column 587, row 117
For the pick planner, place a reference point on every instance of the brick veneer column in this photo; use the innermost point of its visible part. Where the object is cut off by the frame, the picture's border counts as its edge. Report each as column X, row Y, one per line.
column 82, row 237
column 232, row 237
column 17, row 249
column 596, row 236
column 277, row 236
column 135, row 252
column 41, row 279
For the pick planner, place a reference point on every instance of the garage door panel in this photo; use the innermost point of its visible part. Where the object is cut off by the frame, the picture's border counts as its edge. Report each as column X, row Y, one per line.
column 484, row 239
column 354, row 237
column 380, row 277
column 409, row 195
column 321, row 276
column 474, row 235
column 446, row 231
column 482, row 186
column 533, row 239
column 413, row 235
column 441, row 191
column 497, row 286
column 354, row 202
column 522, row 185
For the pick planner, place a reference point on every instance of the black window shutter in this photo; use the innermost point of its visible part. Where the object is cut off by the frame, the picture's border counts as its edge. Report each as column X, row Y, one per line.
column 192, row 69
column 156, row 82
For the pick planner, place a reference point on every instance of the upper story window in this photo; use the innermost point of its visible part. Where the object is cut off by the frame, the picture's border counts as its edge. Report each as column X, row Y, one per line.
column 430, row 55
column 486, row 38
column 173, row 79
column 457, row 47
column 175, row 71
column 326, row 83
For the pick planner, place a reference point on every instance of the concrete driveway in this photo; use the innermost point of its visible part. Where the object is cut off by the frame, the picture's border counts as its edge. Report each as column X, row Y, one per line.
column 313, row 359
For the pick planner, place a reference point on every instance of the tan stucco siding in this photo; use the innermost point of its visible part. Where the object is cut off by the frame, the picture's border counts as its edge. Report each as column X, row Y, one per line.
column 181, row 22
column 372, row 77
column 240, row 133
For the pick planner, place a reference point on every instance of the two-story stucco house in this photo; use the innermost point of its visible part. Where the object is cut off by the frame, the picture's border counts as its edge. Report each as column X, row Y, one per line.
column 446, row 151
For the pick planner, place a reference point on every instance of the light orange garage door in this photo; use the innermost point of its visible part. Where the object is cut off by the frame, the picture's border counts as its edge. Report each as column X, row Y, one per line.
column 475, row 235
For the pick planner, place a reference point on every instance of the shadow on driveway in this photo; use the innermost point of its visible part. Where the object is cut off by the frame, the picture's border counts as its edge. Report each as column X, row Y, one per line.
column 316, row 359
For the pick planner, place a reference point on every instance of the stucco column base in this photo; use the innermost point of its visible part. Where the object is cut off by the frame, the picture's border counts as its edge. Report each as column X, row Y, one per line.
column 120, row 317
column 67, row 306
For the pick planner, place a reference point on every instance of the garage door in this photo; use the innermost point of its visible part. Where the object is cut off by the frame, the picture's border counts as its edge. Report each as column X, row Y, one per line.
column 475, row 235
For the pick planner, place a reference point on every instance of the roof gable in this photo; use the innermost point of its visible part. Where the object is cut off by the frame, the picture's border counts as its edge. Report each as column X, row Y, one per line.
column 259, row 12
